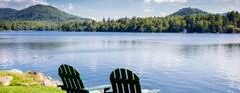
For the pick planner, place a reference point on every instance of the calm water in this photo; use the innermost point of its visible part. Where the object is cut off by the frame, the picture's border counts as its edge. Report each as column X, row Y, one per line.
column 173, row 63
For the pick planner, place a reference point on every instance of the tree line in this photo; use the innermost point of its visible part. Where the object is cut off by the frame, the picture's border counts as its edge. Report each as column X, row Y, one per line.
column 201, row 23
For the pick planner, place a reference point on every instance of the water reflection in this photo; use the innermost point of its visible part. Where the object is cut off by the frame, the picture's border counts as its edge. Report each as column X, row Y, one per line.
column 174, row 63
column 32, row 45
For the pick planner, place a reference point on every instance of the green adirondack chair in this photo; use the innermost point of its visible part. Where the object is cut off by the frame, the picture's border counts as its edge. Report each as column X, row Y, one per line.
column 70, row 77
column 124, row 81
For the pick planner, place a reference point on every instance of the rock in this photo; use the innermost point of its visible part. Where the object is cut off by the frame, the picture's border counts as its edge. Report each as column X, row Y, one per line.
column 45, row 80
column 15, row 71
column 38, row 78
column 6, row 80
column 49, row 83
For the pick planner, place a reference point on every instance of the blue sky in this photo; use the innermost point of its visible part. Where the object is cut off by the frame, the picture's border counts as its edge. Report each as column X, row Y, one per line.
column 98, row 9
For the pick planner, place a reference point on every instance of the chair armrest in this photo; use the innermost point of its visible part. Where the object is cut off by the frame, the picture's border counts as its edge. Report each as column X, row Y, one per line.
column 106, row 90
column 61, row 86
column 101, row 87
column 81, row 91
column 84, row 91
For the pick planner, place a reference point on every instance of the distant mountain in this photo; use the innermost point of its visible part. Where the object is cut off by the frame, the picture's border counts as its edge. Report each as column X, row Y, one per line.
column 38, row 13
column 188, row 11
column 4, row 12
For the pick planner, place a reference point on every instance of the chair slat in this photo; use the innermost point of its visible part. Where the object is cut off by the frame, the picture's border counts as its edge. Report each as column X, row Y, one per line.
column 124, row 81
column 119, row 84
column 124, row 77
column 72, row 82
column 114, row 84
column 131, row 86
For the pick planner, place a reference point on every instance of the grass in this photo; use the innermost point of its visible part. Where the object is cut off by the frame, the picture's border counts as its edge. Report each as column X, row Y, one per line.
column 21, row 79
column 25, row 83
column 29, row 89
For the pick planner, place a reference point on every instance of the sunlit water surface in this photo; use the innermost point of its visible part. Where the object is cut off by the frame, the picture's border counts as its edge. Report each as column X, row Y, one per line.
column 173, row 63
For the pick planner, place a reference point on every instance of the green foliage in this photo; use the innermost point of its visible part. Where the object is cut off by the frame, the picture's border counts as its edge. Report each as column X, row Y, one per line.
column 22, row 79
column 29, row 89
column 25, row 83
column 28, row 25
column 190, row 19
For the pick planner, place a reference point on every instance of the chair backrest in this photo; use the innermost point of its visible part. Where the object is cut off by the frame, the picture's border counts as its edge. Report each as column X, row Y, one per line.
column 124, row 81
column 70, row 78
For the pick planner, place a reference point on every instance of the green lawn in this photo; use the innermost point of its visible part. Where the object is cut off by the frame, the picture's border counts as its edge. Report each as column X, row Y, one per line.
column 25, row 83
column 29, row 89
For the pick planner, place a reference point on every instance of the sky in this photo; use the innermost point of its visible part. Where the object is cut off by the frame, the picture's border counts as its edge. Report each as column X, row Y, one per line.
column 98, row 9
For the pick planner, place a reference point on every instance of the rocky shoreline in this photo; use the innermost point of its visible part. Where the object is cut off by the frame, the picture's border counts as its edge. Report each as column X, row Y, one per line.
column 8, row 77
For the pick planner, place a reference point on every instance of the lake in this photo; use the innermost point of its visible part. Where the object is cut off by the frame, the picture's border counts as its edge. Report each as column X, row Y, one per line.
column 173, row 63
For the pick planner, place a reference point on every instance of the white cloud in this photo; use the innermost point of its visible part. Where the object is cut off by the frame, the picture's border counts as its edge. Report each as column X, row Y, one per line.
column 93, row 18
column 166, row 1
column 18, row 4
column 147, row 10
column 162, row 14
column 231, row 5
column 70, row 8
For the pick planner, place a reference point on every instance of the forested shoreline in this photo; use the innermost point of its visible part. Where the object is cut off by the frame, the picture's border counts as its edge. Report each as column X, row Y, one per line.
column 201, row 23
